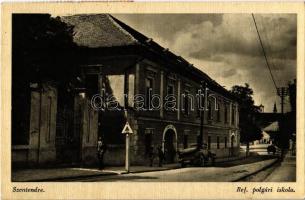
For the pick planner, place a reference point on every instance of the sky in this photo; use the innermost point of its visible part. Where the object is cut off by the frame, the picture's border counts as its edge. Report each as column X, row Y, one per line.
column 227, row 48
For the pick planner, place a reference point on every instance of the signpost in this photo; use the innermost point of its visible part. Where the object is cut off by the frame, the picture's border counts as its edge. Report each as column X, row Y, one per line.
column 127, row 130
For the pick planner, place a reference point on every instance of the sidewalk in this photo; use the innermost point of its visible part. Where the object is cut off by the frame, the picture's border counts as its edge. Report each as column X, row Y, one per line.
column 35, row 175
column 56, row 174
column 286, row 172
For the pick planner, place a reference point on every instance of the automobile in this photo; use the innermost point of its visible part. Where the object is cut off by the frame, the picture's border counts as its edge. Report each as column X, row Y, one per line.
column 271, row 149
column 196, row 156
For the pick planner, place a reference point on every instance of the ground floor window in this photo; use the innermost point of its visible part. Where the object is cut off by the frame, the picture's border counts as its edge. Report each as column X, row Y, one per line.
column 226, row 142
column 217, row 142
column 148, row 140
column 185, row 138
column 209, row 142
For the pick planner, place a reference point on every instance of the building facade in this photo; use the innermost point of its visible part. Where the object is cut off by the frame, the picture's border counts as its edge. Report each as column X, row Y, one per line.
column 128, row 77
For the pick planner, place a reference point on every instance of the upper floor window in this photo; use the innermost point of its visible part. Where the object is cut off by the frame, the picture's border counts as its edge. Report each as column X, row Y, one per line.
column 218, row 111
column 226, row 113
column 170, row 106
column 170, row 89
column 186, row 102
column 148, row 92
column 210, row 116
column 233, row 114
column 200, row 102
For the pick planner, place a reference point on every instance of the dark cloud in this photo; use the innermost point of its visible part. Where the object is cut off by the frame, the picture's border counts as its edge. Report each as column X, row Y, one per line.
column 229, row 72
column 167, row 25
column 226, row 46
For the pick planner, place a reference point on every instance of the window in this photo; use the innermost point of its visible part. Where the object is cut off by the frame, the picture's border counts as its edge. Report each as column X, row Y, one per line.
column 218, row 111
column 217, row 142
column 148, row 140
column 200, row 102
column 170, row 94
column 186, row 103
column 233, row 114
column 170, row 89
column 210, row 110
column 209, row 142
column 226, row 113
column 226, row 142
column 148, row 92
column 185, row 138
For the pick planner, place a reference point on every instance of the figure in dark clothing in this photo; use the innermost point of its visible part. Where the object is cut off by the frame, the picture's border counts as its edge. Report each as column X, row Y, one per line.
column 151, row 156
column 161, row 156
column 101, row 149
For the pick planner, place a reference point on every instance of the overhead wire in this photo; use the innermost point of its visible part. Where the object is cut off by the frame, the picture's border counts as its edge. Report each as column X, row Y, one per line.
column 264, row 52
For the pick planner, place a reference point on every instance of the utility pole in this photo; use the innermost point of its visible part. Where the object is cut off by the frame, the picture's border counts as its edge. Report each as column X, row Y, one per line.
column 282, row 92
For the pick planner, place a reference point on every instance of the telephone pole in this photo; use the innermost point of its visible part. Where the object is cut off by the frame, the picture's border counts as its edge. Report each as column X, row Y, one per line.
column 282, row 92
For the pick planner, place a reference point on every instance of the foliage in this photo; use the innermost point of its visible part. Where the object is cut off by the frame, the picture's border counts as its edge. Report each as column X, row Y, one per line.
column 249, row 131
column 42, row 47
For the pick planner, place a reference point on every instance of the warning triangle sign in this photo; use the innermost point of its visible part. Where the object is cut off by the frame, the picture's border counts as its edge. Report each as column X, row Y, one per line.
column 127, row 129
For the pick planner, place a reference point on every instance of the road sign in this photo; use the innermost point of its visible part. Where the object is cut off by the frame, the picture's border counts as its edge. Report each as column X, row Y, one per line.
column 127, row 129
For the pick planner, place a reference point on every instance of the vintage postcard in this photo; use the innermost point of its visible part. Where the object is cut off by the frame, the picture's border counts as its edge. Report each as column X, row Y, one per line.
column 128, row 100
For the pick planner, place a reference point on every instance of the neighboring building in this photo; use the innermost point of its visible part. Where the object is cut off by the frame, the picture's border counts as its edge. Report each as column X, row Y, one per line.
column 266, row 139
column 118, row 60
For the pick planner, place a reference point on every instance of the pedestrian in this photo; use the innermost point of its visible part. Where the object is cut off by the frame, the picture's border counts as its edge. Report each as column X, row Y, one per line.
column 101, row 149
column 160, row 155
column 151, row 156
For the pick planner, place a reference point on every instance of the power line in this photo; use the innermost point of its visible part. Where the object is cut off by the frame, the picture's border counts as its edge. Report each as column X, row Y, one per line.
column 269, row 49
column 260, row 40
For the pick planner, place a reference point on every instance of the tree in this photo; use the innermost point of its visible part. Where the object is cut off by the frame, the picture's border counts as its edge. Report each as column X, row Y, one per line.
column 42, row 50
column 249, row 131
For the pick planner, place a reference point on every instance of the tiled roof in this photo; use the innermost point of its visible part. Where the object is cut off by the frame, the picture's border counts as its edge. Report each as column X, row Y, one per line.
column 104, row 30
column 98, row 30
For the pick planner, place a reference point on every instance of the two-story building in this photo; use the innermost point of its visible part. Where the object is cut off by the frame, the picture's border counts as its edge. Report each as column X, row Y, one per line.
column 124, row 61
column 159, row 90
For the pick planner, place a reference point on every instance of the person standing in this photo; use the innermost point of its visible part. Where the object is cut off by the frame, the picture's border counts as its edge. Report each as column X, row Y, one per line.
column 101, row 148
column 160, row 155
column 151, row 156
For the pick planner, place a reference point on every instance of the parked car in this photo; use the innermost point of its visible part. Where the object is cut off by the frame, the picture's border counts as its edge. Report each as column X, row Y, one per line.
column 271, row 149
column 195, row 156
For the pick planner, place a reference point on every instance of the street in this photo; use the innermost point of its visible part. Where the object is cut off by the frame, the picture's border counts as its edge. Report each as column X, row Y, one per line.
column 225, row 172
column 284, row 171
column 260, row 168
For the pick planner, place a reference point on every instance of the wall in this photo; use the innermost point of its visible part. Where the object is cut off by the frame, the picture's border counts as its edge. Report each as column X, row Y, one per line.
column 41, row 148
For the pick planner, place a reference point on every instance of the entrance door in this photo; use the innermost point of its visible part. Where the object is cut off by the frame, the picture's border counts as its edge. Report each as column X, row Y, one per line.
column 67, row 140
column 169, row 147
column 232, row 145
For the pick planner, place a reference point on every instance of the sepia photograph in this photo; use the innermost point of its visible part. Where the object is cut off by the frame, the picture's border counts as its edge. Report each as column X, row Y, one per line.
column 167, row 100
column 154, row 97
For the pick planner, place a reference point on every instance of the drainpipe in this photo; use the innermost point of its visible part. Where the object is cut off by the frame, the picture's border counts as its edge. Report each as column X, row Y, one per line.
column 39, row 122
column 200, row 142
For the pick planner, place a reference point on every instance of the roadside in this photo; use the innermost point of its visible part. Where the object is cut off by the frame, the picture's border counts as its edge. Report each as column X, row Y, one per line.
column 285, row 172
column 62, row 174
column 189, row 174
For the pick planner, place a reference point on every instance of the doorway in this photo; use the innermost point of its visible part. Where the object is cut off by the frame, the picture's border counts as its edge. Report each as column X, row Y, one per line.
column 169, row 147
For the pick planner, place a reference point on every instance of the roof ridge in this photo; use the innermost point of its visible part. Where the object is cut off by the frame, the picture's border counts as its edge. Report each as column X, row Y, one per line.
column 111, row 18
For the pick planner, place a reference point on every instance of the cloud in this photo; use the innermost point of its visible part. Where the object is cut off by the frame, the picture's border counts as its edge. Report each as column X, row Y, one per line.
column 229, row 72
column 227, row 48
